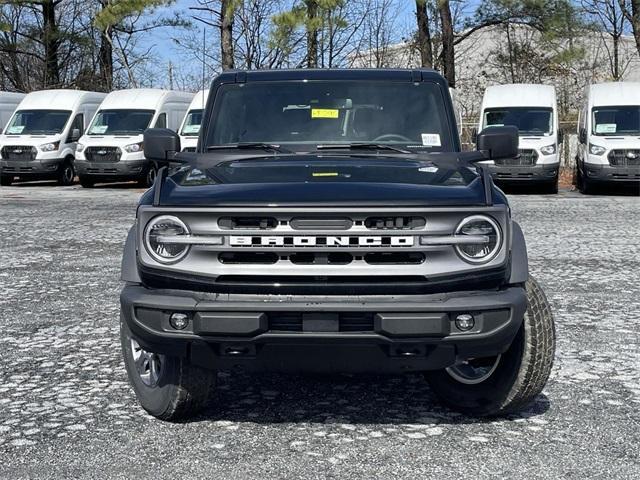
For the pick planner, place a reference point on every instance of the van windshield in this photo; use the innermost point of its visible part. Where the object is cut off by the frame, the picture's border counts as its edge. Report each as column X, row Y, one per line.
column 624, row 120
column 38, row 122
column 329, row 112
column 533, row 121
column 191, row 127
column 121, row 122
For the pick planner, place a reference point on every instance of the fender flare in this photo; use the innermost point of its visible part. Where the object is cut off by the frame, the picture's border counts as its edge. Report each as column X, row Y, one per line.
column 519, row 270
column 129, row 267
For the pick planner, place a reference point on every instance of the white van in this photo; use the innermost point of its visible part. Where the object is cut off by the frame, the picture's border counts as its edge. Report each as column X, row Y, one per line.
column 39, row 142
column 533, row 109
column 9, row 101
column 609, row 136
column 111, row 150
column 190, row 128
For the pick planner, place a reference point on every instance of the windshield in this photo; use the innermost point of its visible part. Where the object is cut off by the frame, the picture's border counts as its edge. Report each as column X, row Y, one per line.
column 191, row 127
column 38, row 122
column 529, row 120
column 121, row 122
column 309, row 113
column 616, row 120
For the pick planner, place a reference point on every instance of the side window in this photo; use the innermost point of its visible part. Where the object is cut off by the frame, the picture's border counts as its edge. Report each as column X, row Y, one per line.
column 161, row 122
column 78, row 124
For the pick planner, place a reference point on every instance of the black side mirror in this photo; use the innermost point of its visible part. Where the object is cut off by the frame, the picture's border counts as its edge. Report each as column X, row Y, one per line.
column 560, row 137
column 582, row 135
column 474, row 135
column 498, row 142
column 75, row 135
column 161, row 144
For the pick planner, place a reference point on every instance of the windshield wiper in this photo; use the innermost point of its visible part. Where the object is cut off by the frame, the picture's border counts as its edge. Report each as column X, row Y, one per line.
column 249, row 146
column 362, row 146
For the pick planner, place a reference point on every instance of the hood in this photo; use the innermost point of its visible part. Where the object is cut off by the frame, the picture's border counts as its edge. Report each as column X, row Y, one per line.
column 110, row 140
column 631, row 142
column 30, row 140
column 536, row 142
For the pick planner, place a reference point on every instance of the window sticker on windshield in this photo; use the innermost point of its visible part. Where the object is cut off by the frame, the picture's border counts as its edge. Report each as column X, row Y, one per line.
column 16, row 129
column 325, row 113
column 606, row 128
column 99, row 129
column 191, row 129
column 431, row 139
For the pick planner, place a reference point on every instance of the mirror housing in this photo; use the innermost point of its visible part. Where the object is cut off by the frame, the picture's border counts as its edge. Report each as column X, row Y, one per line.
column 474, row 135
column 560, row 137
column 498, row 142
column 75, row 135
column 582, row 135
column 161, row 144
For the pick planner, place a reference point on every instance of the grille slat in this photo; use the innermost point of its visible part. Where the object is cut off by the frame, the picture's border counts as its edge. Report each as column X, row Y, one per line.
column 19, row 152
column 103, row 154
column 527, row 157
column 624, row 157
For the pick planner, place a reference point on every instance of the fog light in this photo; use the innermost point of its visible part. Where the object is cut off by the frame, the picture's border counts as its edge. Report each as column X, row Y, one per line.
column 179, row 321
column 465, row 322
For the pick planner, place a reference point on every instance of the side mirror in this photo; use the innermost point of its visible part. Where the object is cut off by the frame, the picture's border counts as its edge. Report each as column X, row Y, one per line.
column 75, row 135
column 161, row 144
column 499, row 142
column 560, row 137
column 582, row 135
column 474, row 135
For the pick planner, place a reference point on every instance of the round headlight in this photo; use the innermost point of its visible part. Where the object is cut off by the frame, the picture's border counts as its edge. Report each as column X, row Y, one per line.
column 481, row 226
column 157, row 239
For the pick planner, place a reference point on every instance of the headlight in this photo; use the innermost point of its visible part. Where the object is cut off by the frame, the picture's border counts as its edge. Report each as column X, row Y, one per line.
column 79, row 147
column 549, row 149
column 479, row 225
column 157, row 239
column 596, row 149
column 133, row 148
column 50, row 147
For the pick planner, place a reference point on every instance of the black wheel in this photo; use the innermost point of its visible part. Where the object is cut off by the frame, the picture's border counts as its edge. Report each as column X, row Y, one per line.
column 508, row 382
column 585, row 186
column 66, row 174
column 6, row 180
column 150, row 177
column 86, row 182
column 169, row 388
column 550, row 187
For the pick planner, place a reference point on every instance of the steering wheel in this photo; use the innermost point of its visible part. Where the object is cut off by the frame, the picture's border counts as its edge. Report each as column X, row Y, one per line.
column 391, row 137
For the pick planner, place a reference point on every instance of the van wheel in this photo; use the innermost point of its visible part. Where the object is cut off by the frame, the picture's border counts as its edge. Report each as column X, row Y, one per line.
column 66, row 174
column 508, row 382
column 150, row 177
column 6, row 180
column 86, row 182
column 551, row 187
column 167, row 387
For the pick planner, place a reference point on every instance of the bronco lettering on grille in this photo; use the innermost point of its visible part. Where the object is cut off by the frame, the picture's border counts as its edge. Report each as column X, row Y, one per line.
column 324, row 241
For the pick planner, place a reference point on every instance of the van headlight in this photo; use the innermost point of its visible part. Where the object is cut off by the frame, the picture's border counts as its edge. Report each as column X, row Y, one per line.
column 50, row 147
column 79, row 147
column 159, row 236
column 596, row 149
column 549, row 149
column 480, row 226
column 133, row 148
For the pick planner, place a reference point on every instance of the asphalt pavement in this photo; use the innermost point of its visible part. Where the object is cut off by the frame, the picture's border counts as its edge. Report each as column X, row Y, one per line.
column 67, row 411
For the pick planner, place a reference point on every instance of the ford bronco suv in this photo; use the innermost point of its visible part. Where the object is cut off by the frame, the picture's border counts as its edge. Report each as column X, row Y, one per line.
column 328, row 221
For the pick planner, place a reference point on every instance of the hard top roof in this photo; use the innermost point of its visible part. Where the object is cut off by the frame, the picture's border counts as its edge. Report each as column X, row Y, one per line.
column 389, row 74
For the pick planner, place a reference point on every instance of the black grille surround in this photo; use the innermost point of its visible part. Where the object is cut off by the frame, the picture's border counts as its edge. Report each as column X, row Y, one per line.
column 19, row 152
column 103, row 154
column 527, row 157
column 624, row 157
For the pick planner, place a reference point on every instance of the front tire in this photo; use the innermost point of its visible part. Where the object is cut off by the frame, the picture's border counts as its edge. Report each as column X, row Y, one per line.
column 66, row 174
column 86, row 182
column 149, row 177
column 167, row 387
column 6, row 180
column 511, row 381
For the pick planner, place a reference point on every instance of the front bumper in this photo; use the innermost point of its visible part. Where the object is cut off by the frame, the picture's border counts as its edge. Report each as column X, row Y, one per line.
column 539, row 173
column 121, row 169
column 608, row 173
column 322, row 333
column 31, row 168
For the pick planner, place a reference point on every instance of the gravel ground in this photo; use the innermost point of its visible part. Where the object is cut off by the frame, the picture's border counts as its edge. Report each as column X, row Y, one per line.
column 66, row 409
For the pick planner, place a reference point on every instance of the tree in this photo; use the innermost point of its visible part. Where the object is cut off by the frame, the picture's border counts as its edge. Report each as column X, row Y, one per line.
column 631, row 10
column 424, row 34
column 448, row 51
column 609, row 18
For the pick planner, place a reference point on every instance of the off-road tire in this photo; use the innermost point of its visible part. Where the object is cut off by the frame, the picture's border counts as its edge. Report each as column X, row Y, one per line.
column 182, row 390
column 521, row 374
column 6, row 180
column 86, row 182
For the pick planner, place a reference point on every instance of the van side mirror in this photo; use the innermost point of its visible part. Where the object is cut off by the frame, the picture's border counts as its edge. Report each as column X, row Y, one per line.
column 75, row 135
column 498, row 142
column 161, row 144
column 560, row 137
column 474, row 135
column 582, row 135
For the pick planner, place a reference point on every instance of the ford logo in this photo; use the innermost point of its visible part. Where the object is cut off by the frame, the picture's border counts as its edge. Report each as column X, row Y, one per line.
column 17, row 150
column 101, row 152
column 632, row 155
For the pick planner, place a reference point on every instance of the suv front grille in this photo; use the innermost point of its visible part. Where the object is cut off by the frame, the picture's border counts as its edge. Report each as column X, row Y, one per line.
column 347, row 321
column 19, row 152
column 103, row 154
column 624, row 157
column 527, row 157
